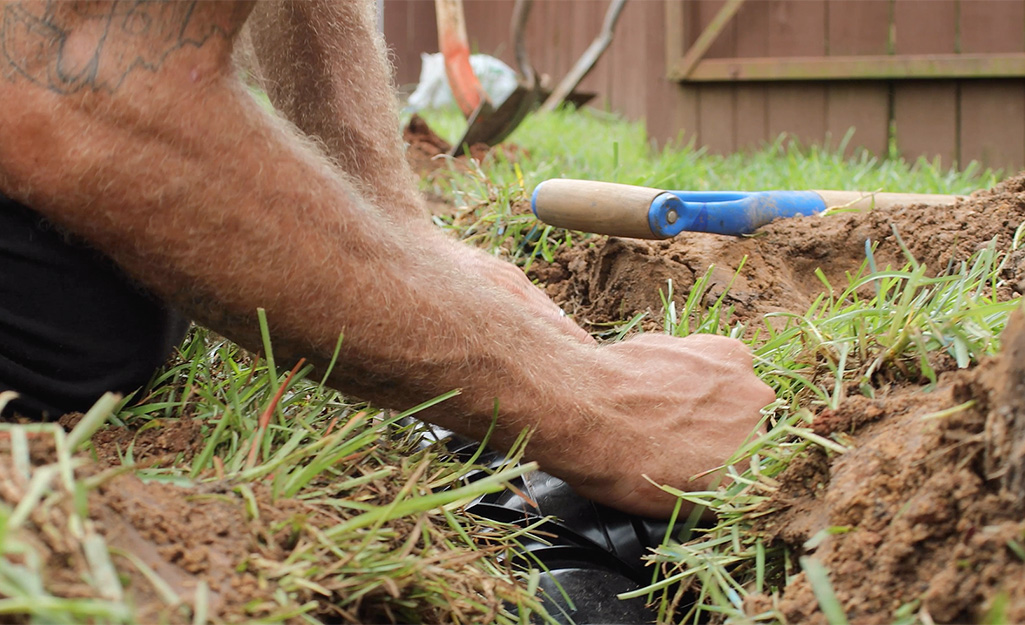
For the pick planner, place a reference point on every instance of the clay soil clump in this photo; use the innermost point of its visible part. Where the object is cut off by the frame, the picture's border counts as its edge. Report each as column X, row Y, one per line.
column 913, row 514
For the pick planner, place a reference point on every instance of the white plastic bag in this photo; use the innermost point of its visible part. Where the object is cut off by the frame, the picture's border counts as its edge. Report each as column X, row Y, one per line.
column 497, row 78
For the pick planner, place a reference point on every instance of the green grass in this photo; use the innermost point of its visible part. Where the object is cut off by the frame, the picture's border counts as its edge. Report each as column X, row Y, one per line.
column 592, row 146
column 839, row 345
column 400, row 545
column 379, row 533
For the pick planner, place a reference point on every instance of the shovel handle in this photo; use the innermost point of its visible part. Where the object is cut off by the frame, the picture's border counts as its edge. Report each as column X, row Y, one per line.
column 860, row 200
column 455, row 47
column 623, row 210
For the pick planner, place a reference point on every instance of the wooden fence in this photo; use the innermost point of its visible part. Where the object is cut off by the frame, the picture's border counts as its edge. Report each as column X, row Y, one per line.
column 937, row 78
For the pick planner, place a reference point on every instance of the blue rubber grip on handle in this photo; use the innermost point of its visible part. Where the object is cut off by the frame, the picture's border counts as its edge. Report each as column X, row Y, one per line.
column 728, row 213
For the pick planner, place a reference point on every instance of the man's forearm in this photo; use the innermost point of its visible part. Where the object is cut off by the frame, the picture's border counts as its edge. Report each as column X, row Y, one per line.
column 323, row 66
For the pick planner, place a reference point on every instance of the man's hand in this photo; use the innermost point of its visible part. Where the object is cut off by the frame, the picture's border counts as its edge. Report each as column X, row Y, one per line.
column 681, row 407
column 660, row 406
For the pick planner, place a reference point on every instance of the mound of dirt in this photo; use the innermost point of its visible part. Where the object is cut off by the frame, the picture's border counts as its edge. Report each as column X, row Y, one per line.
column 186, row 538
column 612, row 279
column 919, row 509
column 425, row 150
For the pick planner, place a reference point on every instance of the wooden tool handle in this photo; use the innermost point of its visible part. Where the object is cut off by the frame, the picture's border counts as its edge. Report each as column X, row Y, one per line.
column 601, row 207
column 864, row 201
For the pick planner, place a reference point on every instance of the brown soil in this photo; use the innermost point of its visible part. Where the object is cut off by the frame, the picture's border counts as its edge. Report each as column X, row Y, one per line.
column 164, row 441
column 426, row 151
column 923, row 518
column 184, row 537
column 931, row 510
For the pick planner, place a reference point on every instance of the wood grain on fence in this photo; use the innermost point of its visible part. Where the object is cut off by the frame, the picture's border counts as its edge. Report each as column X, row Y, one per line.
column 925, row 113
column 992, row 113
column 853, row 29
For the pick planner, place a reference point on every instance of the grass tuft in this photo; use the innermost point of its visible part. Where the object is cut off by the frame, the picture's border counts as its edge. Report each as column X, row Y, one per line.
column 885, row 324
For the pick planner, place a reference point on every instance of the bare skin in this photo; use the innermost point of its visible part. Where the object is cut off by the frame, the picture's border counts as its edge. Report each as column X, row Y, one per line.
column 323, row 66
column 127, row 124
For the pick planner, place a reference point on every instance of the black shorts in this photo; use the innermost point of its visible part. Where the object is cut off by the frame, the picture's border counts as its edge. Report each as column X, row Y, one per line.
column 72, row 325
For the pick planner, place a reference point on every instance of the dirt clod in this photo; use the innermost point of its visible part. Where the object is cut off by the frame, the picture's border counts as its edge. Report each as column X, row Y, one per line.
column 425, row 150
column 163, row 440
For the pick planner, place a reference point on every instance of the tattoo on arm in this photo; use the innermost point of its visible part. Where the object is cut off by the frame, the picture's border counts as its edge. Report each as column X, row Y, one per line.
column 112, row 39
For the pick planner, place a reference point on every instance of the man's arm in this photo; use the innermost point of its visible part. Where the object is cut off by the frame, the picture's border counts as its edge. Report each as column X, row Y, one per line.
column 323, row 65
column 126, row 124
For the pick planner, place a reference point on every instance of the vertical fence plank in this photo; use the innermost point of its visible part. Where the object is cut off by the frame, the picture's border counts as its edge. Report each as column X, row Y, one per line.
column 925, row 112
column 858, row 28
column 798, row 111
column 797, row 28
column 629, row 73
column 409, row 29
column 925, row 26
column 863, row 107
column 556, row 23
column 583, row 28
column 670, row 108
column 926, row 119
column 992, row 26
column 752, row 118
column 993, row 124
column 487, row 27
column 716, row 103
column 716, row 113
column 540, row 27
column 536, row 38
column 584, row 22
column 993, row 112
column 653, row 53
